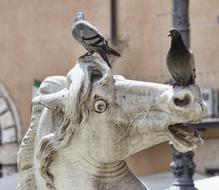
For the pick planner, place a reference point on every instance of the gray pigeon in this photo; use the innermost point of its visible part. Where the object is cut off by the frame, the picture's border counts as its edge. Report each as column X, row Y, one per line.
column 180, row 61
column 88, row 36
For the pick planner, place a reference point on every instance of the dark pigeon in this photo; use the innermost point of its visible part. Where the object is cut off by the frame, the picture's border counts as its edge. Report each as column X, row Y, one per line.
column 180, row 61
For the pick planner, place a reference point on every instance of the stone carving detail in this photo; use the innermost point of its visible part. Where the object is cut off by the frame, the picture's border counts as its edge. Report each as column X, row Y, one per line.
column 86, row 124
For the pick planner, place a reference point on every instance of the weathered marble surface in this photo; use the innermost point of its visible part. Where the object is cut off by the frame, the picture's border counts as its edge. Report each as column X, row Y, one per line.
column 86, row 124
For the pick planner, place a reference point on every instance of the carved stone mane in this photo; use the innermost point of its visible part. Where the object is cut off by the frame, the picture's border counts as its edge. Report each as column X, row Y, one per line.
column 78, row 83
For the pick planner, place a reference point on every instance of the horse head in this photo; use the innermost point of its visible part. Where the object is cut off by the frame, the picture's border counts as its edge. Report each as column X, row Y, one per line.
column 91, row 116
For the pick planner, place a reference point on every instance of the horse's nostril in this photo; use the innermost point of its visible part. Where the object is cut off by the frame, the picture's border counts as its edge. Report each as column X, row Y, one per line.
column 182, row 102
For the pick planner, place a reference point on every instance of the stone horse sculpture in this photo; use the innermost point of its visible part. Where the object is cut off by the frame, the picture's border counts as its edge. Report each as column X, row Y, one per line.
column 85, row 125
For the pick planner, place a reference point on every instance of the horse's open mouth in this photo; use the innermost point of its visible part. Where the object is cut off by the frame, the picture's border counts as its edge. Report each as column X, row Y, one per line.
column 185, row 135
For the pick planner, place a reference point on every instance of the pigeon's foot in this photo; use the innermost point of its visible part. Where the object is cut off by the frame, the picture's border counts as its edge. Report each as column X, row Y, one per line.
column 185, row 85
column 86, row 54
column 175, row 84
column 182, row 84
column 83, row 56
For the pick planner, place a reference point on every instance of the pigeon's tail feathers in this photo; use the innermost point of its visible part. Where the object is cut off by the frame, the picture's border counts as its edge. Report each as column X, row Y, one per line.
column 79, row 16
column 105, row 58
column 102, row 51
column 111, row 51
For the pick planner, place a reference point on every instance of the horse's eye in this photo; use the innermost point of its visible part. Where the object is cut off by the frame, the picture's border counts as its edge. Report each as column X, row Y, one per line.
column 100, row 105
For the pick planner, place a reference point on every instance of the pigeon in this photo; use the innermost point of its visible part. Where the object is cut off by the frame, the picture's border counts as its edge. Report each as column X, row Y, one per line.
column 180, row 61
column 92, row 40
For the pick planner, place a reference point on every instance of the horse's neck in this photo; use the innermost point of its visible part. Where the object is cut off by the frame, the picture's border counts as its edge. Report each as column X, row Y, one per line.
column 107, row 170
column 87, row 174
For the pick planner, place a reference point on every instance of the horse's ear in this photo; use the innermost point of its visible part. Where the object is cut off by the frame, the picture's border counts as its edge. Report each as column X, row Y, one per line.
column 100, row 73
column 52, row 84
column 96, row 75
column 52, row 93
column 52, row 101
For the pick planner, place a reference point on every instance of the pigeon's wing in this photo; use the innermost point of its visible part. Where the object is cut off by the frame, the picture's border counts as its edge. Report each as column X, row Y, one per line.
column 173, row 67
column 112, row 51
column 91, row 36
column 193, row 70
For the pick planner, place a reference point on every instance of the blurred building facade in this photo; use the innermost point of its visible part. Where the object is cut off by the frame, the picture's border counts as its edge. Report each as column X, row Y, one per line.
column 10, row 134
column 36, row 42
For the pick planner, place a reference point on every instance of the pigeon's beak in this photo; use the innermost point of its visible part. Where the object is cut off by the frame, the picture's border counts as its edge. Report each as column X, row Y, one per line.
column 169, row 34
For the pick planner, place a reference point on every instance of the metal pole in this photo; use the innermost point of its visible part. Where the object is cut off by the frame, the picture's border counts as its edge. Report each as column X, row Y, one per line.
column 180, row 15
column 113, row 21
column 182, row 165
column 183, row 170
